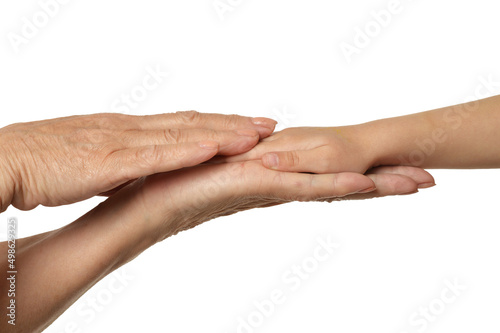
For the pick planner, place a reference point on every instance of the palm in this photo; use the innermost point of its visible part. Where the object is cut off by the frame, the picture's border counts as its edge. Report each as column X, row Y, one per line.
column 195, row 195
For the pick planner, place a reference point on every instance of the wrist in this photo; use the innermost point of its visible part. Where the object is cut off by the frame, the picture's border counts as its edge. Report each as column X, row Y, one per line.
column 378, row 138
column 397, row 141
column 123, row 226
column 366, row 140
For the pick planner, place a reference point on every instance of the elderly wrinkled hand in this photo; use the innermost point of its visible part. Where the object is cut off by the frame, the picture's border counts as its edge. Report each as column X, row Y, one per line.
column 62, row 161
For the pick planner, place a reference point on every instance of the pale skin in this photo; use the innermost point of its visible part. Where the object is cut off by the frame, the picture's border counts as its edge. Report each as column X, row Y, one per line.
column 464, row 136
column 56, row 268
column 149, row 202
column 66, row 160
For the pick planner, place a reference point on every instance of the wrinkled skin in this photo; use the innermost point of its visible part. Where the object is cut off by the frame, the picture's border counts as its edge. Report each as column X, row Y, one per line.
column 65, row 160
column 182, row 199
column 158, row 206
column 152, row 208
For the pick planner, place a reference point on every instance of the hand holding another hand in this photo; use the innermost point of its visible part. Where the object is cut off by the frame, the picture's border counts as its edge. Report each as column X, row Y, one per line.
column 179, row 200
column 62, row 161
column 154, row 207
column 318, row 150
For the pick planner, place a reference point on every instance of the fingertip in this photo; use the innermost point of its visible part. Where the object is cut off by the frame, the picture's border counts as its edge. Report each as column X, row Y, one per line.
column 426, row 185
column 265, row 122
column 427, row 180
column 423, row 178
column 419, row 176
column 209, row 149
column 265, row 126
column 368, row 190
column 209, row 144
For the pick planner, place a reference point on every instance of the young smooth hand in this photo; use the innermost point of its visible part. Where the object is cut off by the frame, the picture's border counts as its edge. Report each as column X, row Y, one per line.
column 463, row 136
column 315, row 150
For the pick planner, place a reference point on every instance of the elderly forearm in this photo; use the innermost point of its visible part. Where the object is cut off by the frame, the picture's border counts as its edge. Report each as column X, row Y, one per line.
column 58, row 267
column 460, row 136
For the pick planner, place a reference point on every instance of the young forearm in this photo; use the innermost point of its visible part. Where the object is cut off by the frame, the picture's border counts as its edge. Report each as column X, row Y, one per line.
column 56, row 268
column 461, row 136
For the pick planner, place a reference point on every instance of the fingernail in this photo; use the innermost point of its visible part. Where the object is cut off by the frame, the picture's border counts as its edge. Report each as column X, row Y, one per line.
column 408, row 193
column 368, row 190
column 265, row 122
column 209, row 145
column 426, row 185
column 247, row 132
column 271, row 160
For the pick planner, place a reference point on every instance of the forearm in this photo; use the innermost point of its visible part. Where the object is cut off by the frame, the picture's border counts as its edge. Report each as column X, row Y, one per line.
column 461, row 136
column 55, row 269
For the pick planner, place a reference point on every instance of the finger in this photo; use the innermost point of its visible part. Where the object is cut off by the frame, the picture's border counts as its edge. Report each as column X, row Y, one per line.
column 254, row 154
column 313, row 160
column 396, row 180
column 193, row 119
column 133, row 163
column 305, row 187
column 420, row 176
column 230, row 142
column 265, row 146
column 250, row 155
column 386, row 185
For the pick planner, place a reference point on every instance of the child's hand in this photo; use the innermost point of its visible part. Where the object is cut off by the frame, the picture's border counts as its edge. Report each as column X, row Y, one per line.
column 312, row 149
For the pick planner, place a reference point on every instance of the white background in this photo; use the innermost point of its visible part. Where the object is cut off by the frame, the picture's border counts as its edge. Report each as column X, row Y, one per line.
column 281, row 59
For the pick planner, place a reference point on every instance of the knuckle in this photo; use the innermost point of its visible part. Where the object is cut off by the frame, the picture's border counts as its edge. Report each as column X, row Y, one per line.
column 152, row 158
column 104, row 121
column 292, row 159
column 172, row 135
column 231, row 120
column 295, row 190
column 147, row 156
column 303, row 189
column 335, row 186
column 86, row 135
column 188, row 116
column 107, row 120
column 81, row 135
column 211, row 134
